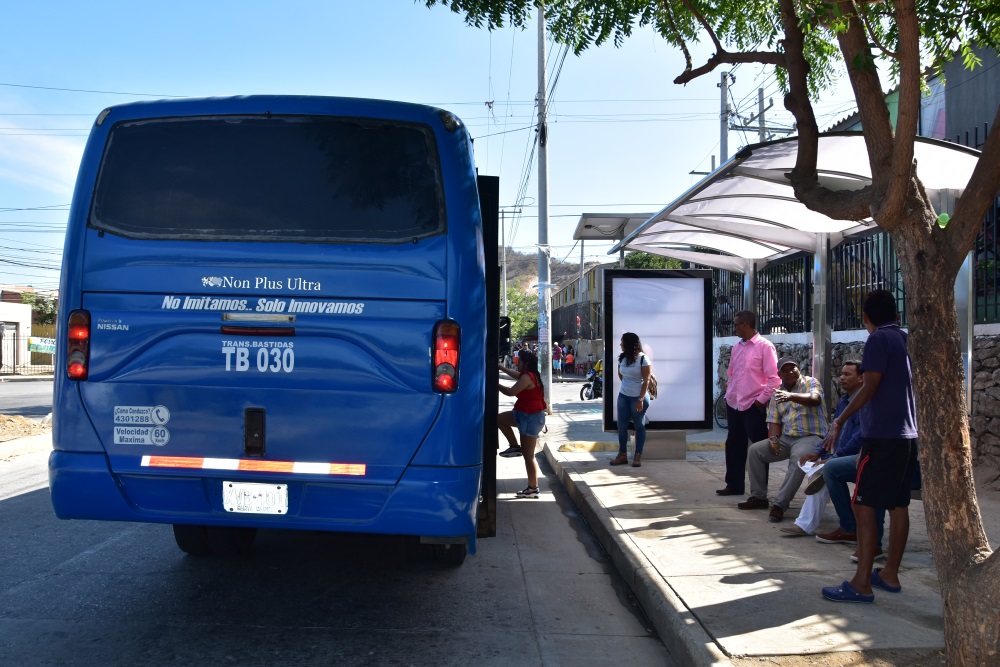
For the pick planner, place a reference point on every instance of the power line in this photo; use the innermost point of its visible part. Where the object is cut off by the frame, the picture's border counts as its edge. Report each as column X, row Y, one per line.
column 529, row 102
column 81, row 90
column 37, row 208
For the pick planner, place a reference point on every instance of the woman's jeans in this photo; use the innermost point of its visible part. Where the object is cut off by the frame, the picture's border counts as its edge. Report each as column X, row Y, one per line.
column 626, row 413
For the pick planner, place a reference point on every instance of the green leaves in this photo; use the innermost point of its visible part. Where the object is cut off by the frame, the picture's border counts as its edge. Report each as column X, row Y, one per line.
column 522, row 309
column 645, row 260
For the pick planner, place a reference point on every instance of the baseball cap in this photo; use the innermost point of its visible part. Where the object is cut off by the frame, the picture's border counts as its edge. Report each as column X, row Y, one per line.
column 787, row 360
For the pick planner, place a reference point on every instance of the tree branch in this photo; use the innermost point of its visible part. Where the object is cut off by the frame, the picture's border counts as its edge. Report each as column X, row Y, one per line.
column 721, row 56
column 797, row 100
column 704, row 24
column 908, row 112
column 872, row 109
column 839, row 205
column 727, row 58
column 677, row 33
column 871, row 33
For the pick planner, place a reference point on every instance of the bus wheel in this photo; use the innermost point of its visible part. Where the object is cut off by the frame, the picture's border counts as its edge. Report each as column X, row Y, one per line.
column 192, row 539
column 229, row 541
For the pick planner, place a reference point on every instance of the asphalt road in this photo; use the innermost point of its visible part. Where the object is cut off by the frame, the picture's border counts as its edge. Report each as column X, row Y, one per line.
column 542, row 592
column 27, row 399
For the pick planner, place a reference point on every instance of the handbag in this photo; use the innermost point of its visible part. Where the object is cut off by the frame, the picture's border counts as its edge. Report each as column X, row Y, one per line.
column 653, row 386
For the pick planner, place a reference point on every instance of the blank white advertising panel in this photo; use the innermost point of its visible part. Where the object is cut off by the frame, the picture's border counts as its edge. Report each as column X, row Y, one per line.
column 670, row 311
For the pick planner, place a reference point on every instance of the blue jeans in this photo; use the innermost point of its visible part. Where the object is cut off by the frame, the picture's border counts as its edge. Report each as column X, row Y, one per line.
column 626, row 413
column 837, row 473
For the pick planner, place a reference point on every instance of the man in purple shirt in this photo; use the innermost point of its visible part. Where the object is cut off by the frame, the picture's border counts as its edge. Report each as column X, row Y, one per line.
column 888, row 456
column 753, row 377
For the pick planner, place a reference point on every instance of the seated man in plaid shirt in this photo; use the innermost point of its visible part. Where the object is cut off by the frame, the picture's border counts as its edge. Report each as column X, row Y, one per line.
column 796, row 424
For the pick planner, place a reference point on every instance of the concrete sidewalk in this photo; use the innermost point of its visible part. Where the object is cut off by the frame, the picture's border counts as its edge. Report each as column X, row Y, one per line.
column 725, row 586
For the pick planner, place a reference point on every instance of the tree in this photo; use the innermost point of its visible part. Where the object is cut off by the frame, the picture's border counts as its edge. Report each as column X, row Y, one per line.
column 522, row 309
column 806, row 42
column 43, row 308
column 644, row 260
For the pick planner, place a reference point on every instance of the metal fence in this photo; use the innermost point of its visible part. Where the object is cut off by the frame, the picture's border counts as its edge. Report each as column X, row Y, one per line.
column 577, row 321
column 784, row 295
column 986, row 254
column 785, row 289
column 727, row 286
column 858, row 266
column 26, row 355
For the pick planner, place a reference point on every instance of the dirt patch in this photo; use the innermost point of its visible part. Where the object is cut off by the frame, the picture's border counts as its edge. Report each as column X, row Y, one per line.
column 14, row 426
column 880, row 658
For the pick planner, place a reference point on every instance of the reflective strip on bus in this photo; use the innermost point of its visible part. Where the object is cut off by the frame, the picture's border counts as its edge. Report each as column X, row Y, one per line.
column 252, row 465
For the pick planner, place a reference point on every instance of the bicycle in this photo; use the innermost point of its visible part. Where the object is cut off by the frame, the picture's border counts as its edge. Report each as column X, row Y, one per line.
column 721, row 412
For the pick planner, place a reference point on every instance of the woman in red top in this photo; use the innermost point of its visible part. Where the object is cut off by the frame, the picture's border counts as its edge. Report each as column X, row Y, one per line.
column 528, row 415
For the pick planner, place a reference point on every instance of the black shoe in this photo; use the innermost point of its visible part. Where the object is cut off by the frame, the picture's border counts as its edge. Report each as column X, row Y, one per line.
column 728, row 491
column 754, row 503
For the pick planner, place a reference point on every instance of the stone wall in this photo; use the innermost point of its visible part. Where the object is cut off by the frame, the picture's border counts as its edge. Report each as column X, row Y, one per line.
column 984, row 429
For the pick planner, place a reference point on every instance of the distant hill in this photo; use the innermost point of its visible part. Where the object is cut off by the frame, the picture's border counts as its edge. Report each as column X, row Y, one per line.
column 522, row 269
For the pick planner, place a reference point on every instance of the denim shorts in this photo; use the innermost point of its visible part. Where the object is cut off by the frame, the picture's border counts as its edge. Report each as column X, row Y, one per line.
column 530, row 425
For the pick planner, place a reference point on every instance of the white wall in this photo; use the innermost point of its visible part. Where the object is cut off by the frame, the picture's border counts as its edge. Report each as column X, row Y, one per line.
column 17, row 320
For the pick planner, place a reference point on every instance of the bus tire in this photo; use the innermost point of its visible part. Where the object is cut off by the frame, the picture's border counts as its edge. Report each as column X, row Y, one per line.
column 231, row 541
column 192, row 540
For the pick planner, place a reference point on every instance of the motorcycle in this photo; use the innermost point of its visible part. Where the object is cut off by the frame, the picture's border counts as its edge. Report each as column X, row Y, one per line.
column 593, row 387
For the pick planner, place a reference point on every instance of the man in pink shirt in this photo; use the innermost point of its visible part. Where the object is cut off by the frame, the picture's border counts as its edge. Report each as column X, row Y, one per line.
column 753, row 377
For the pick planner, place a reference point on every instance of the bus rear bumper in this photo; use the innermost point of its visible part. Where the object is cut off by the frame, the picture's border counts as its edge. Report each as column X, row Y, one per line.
column 427, row 501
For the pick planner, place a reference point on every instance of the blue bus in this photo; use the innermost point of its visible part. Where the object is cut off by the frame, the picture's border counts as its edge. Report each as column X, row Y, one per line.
column 273, row 315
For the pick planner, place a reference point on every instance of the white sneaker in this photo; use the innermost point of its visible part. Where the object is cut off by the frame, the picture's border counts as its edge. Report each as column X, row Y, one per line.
column 511, row 452
column 528, row 492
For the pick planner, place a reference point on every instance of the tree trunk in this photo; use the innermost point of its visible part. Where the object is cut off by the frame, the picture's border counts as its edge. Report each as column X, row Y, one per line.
column 968, row 574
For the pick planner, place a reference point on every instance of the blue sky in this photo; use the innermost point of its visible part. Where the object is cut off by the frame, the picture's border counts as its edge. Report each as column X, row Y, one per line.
column 622, row 136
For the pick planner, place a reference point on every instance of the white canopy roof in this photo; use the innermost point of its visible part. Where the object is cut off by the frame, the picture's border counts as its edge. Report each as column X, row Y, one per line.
column 747, row 210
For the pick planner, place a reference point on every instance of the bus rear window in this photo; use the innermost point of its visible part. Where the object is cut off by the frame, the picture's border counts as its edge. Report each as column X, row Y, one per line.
column 279, row 178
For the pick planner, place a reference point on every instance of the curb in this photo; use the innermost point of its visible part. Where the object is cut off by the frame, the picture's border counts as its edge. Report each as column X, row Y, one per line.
column 27, row 378
column 679, row 630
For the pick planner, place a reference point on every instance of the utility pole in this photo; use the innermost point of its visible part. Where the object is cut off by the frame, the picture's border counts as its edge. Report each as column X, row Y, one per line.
column 503, row 261
column 544, row 284
column 724, row 118
column 764, row 131
column 761, row 128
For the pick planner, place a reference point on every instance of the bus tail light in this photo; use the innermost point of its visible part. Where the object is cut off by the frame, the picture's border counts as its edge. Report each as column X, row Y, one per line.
column 78, row 345
column 447, row 344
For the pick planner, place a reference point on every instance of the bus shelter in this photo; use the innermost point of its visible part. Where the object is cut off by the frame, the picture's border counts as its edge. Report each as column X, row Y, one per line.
column 745, row 214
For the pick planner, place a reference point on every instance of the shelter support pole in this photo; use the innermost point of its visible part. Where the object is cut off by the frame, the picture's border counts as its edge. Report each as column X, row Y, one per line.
column 820, row 322
column 965, row 305
column 750, row 286
column 965, row 298
column 579, row 304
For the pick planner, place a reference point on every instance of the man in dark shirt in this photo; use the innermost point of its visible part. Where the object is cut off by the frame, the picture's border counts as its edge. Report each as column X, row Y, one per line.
column 888, row 454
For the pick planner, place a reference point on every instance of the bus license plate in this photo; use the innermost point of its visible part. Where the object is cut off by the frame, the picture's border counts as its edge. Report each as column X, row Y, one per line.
column 249, row 498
